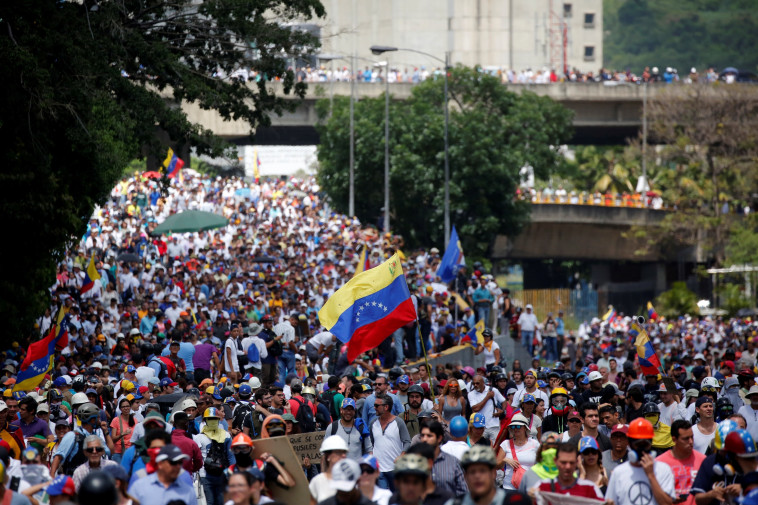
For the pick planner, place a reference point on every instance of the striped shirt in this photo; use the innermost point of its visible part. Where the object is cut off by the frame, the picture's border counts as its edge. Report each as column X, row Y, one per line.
column 447, row 475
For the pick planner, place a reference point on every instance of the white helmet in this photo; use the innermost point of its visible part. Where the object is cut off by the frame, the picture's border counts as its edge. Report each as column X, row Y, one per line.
column 78, row 399
column 187, row 404
column 333, row 443
column 255, row 383
column 710, row 382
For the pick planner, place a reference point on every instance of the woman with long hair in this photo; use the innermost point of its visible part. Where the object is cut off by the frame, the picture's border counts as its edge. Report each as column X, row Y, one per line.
column 519, row 452
column 451, row 402
column 590, row 465
column 490, row 348
column 121, row 430
column 245, row 488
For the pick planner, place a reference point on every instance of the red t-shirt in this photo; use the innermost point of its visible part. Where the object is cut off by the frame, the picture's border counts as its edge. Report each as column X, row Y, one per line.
column 295, row 406
column 684, row 472
column 581, row 487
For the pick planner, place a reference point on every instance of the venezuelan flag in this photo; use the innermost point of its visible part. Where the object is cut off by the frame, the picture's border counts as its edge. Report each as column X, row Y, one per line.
column 172, row 164
column 363, row 262
column 371, row 306
column 652, row 315
column 610, row 315
column 649, row 362
column 39, row 358
column 256, row 166
column 90, row 276
column 474, row 336
column 452, row 258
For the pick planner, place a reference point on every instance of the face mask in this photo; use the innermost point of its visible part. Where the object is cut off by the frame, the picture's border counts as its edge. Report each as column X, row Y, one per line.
column 212, row 424
column 243, row 460
column 548, row 457
column 559, row 403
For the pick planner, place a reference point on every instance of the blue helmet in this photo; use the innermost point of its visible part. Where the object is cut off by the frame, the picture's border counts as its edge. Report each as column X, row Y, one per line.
column 740, row 443
column 724, row 428
column 458, row 427
column 245, row 390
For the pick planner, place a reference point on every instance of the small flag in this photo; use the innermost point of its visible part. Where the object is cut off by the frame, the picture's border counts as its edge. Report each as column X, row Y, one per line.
column 453, row 257
column 90, row 276
column 610, row 315
column 172, row 164
column 256, row 166
column 649, row 362
column 652, row 315
column 474, row 336
column 363, row 262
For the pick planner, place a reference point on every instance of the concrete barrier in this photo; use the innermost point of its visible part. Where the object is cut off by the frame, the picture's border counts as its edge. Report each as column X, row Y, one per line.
column 510, row 349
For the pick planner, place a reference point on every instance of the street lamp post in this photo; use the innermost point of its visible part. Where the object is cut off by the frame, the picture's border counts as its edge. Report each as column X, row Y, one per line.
column 381, row 50
column 446, row 62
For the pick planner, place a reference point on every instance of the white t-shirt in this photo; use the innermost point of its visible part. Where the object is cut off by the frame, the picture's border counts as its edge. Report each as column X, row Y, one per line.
column 381, row 496
column 630, row 486
column 702, row 441
column 234, row 366
column 321, row 488
column 537, row 393
column 475, row 397
column 260, row 344
column 528, row 322
column 489, row 356
column 324, row 338
column 453, row 448
column 526, row 456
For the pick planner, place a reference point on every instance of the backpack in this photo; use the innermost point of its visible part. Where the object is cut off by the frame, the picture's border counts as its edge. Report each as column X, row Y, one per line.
column 304, row 417
column 276, row 349
column 216, row 460
column 362, row 429
column 327, row 399
column 253, row 354
column 164, row 370
column 76, row 455
column 240, row 413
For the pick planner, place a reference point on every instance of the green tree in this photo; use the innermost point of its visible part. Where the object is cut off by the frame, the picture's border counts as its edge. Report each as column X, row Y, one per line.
column 676, row 301
column 493, row 134
column 86, row 86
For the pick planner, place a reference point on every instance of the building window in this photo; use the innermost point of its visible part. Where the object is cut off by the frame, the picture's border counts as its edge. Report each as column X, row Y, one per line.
column 567, row 10
column 589, row 20
column 589, row 53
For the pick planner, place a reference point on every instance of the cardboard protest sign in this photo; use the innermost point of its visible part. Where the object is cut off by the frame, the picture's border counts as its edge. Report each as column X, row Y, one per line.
column 308, row 445
column 281, row 448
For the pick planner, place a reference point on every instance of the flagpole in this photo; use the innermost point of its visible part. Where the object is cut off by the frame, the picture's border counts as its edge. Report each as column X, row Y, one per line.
column 426, row 358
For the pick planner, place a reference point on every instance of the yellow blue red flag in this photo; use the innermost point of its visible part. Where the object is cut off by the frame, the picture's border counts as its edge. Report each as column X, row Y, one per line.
column 172, row 164
column 474, row 336
column 90, row 276
column 371, row 306
column 649, row 362
column 363, row 262
column 652, row 315
column 610, row 315
column 39, row 358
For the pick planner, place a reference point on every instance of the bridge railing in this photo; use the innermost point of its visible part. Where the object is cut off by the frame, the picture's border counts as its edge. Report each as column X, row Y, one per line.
column 635, row 200
column 577, row 304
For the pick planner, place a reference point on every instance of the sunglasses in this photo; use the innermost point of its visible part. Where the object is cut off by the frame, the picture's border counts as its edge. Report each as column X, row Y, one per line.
column 241, row 450
column 174, row 463
column 367, row 470
column 590, row 452
column 575, row 420
column 93, row 450
column 377, row 405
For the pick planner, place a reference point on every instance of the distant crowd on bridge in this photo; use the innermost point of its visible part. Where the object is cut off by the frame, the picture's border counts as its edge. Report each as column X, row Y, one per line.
column 542, row 75
column 648, row 200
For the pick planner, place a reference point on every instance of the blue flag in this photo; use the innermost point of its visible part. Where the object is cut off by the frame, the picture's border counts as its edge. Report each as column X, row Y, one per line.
column 453, row 257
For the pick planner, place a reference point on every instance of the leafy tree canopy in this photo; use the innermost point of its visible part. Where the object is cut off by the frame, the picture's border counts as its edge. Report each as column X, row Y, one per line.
column 86, row 86
column 680, row 34
column 493, row 134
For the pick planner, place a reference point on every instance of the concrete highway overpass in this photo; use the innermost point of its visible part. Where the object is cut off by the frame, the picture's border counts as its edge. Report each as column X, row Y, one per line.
column 603, row 113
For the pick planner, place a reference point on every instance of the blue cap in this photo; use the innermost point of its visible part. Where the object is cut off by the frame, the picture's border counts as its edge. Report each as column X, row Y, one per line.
column 586, row 443
column 97, row 348
column 130, row 369
column 403, row 379
column 348, row 402
column 167, row 381
column 278, row 384
column 542, row 384
column 217, row 396
column 586, row 380
column 117, row 472
column 246, row 377
column 371, row 461
column 528, row 398
column 478, row 420
column 245, row 390
column 62, row 484
column 58, row 382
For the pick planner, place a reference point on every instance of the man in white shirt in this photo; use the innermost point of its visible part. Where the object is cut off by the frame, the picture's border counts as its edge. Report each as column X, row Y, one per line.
column 252, row 338
column 319, row 345
column 527, row 325
column 286, row 329
column 530, row 388
column 486, row 402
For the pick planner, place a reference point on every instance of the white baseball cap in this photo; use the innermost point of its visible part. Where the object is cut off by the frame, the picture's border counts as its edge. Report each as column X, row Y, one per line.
column 529, row 306
column 595, row 376
column 345, row 474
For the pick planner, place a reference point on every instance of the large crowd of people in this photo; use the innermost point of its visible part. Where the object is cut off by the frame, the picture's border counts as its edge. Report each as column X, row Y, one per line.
column 191, row 349
column 538, row 75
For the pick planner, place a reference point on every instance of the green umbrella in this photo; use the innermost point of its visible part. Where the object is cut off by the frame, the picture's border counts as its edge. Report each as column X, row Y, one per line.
column 189, row 221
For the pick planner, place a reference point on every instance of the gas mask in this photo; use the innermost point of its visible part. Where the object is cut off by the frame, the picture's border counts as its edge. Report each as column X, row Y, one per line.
column 212, row 424
column 635, row 454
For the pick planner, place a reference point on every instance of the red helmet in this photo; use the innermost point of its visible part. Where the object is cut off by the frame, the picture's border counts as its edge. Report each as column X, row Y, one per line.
column 640, row 428
column 267, row 318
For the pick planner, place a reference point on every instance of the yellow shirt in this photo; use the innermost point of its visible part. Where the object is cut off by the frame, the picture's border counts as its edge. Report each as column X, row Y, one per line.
column 662, row 437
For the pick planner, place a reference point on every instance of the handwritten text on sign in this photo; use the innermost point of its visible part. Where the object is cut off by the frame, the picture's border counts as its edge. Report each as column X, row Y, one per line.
column 308, row 445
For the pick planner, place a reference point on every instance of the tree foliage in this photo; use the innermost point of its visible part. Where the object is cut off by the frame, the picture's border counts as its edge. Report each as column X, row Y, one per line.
column 86, row 86
column 677, row 301
column 680, row 34
column 707, row 159
column 493, row 134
